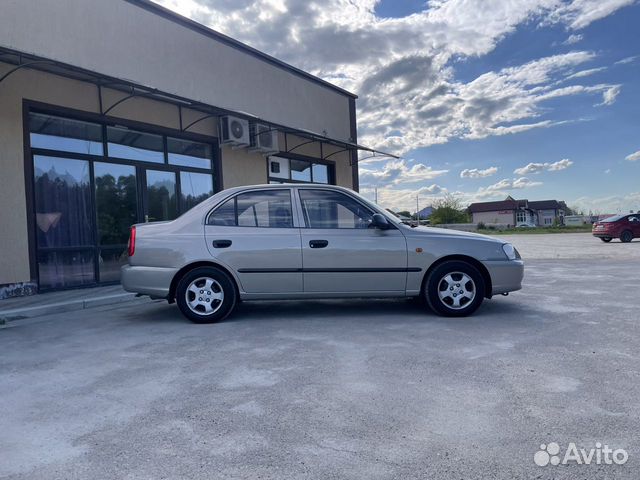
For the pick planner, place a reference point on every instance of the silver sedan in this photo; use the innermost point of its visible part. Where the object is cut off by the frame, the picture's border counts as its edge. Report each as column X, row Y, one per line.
column 301, row 241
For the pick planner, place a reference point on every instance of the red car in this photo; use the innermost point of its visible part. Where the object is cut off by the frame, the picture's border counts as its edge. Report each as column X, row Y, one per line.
column 624, row 227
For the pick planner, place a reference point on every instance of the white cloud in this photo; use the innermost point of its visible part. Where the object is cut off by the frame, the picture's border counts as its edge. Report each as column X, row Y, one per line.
column 541, row 167
column 634, row 157
column 609, row 95
column 626, row 60
column 586, row 73
column 395, row 172
column 404, row 68
column 501, row 188
column 476, row 173
column 623, row 203
column 578, row 14
column 560, row 165
column 574, row 38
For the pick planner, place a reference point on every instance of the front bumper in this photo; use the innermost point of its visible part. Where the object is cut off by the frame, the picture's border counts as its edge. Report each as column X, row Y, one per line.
column 506, row 276
column 152, row 281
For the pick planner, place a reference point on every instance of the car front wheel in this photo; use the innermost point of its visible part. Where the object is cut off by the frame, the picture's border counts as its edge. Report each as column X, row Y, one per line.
column 626, row 236
column 454, row 289
column 205, row 295
column 605, row 239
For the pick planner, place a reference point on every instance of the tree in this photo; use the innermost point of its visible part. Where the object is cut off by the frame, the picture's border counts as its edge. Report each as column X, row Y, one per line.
column 448, row 209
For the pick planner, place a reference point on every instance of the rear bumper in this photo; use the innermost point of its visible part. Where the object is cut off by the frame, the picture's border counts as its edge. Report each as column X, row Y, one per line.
column 603, row 234
column 153, row 281
column 506, row 276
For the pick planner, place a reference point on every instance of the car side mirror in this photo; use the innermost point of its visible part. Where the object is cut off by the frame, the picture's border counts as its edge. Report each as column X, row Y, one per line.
column 380, row 221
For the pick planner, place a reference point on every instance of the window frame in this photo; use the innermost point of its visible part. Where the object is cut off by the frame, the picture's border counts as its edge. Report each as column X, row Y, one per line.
column 305, row 220
column 331, row 169
column 235, row 196
column 32, row 106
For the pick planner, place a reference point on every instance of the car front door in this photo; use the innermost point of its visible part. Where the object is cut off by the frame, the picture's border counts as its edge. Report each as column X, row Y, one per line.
column 256, row 235
column 634, row 223
column 341, row 253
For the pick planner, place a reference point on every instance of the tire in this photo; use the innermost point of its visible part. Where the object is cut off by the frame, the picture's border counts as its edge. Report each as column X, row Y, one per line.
column 441, row 296
column 605, row 239
column 218, row 295
column 626, row 236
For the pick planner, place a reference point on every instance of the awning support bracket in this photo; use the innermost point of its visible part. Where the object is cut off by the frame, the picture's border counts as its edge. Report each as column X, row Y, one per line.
column 301, row 145
column 133, row 94
column 209, row 115
column 25, row 65
column 336, row 152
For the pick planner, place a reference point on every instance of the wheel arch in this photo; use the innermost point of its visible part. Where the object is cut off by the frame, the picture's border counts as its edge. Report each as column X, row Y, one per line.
column 463, row 258
column 191, row 266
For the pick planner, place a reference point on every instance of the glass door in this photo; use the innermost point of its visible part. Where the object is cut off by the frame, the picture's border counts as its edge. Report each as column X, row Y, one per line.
column 116, row 210
column 161, row 195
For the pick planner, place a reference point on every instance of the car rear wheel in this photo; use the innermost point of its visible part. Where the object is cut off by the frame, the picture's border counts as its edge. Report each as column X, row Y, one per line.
column 626, row 236
column 605, row 239
column 454, row 289
column 205, row 295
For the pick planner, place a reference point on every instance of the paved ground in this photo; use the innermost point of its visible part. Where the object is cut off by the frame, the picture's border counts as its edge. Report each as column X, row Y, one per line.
column 331, row 389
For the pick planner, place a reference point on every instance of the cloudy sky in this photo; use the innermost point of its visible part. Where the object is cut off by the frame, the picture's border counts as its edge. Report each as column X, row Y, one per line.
column 536, row 99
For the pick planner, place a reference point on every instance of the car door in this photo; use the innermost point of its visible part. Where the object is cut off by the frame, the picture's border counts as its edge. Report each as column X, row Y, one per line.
column 634, row 223
column 341, row 253
column 255, row 233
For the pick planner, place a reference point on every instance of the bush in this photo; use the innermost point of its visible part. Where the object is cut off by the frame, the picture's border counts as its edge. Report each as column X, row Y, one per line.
column 448, row 210
column 481, row 226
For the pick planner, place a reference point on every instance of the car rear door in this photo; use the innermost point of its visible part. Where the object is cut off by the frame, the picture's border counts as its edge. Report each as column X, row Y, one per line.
column 256, row 234
column 341, row 253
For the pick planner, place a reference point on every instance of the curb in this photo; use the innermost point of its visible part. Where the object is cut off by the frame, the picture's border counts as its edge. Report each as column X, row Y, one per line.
column 67, row 306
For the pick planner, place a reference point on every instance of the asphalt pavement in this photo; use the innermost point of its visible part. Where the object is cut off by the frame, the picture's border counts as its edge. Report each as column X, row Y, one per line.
column 333, row 389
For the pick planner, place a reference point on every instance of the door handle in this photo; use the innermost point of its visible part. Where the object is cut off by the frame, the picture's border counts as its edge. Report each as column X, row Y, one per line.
column 221, row 243
column 318, row 243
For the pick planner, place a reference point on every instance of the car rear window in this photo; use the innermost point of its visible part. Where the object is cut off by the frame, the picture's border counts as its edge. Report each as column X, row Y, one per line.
column 263, row 208
column 615, row 218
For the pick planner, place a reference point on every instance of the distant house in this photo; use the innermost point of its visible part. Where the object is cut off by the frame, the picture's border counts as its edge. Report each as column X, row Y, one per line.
column 514, row 212
column 425, row 213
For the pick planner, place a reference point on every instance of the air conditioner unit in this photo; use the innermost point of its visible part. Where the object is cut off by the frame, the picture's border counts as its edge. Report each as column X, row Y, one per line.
column 234, row 131
column 264, row 138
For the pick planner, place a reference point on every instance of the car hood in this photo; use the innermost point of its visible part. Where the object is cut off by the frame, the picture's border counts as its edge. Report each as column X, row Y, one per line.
column 445, row 232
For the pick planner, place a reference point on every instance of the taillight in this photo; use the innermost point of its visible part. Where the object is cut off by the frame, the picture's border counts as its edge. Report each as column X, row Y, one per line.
column 131, row 247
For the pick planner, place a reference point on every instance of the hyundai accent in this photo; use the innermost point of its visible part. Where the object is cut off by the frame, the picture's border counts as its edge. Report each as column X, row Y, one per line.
column 303, row 241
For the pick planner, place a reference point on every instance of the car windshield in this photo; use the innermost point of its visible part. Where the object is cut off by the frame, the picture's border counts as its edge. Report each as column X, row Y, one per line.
column 615, row 218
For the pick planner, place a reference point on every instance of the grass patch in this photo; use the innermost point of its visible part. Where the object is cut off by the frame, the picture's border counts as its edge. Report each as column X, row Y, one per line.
column 537, row 231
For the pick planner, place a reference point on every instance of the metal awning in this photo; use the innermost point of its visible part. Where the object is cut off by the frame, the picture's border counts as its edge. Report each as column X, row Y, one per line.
column 133, row 90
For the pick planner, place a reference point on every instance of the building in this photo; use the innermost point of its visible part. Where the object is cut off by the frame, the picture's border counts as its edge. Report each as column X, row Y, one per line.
column 513, row 212
column 425, row 213
column 117, row 112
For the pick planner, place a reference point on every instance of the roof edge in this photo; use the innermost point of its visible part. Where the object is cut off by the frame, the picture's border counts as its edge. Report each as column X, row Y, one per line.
column 164, row 12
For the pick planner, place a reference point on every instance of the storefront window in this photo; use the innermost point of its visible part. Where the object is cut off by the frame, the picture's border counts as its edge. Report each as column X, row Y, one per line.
column 282, row 170
column 189, row 154
column 195, row 188
column 135, row 145
column 55, row 133
column 82, row 234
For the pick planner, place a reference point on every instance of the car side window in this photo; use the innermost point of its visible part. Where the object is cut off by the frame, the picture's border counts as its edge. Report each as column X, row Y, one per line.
column 329, row 209
column 263, row 208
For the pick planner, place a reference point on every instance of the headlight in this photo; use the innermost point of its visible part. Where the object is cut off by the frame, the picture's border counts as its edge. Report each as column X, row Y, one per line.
column 509, row 251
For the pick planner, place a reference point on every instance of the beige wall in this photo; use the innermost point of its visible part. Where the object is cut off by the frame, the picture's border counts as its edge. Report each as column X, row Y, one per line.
column 239, row 167
column 117, row 38
column 494, row 217
column 55, row 90
column 242, row 168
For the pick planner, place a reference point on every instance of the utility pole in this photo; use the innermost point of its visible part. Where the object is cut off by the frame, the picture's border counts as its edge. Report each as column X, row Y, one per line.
column 417, row 211
column 376, row 193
